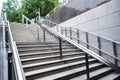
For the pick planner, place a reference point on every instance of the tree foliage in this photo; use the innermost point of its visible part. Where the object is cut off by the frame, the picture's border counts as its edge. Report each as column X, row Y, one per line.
column 29, row 8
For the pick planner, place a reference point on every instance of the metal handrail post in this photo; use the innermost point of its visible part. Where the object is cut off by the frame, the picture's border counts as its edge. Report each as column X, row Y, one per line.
column 38, row 34
column 60, row 46
column 70, row 33
column 61, row 30
column 10, row 65
column 87, row 66
column 57, row 28
column 115, row 52
column 87, row 40
column 22, row 19
column 99, row 44
column 4, row 55
column 65, row 31
column 44, row 39
column 78, row 36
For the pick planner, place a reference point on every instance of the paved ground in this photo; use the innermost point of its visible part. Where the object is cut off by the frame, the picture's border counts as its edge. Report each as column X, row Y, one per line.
column 30, row 33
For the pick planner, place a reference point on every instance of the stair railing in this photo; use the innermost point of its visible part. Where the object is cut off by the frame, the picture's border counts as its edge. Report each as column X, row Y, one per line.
column 15, row 70
column 13, row 55
column 86, row 51
column 3, row 54
column 77, row 35
column 98, row 41
column 29, row 24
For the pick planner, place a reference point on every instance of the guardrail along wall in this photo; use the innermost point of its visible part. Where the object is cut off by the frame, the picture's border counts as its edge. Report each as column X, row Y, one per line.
column 74, row 8
column 103, row 20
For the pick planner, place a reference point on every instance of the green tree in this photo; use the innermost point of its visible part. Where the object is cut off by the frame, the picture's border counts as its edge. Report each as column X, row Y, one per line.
column 12, row 10
column 28, row 8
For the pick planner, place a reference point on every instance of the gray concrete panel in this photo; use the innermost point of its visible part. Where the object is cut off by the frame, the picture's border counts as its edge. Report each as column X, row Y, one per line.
column 103, row 20
column 74, row 8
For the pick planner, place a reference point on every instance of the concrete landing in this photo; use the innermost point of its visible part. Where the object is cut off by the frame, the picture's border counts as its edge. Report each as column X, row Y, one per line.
column 29, row 33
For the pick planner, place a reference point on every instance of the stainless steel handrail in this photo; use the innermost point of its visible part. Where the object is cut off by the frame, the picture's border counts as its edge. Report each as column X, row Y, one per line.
column 17, row 62
column 94, row 35
column 59, row 35
column 105, row 52
column 84, row 31
column 99, row 36
column 0, row 61
column 99, row 49
column 116, row 68
column 4, row 55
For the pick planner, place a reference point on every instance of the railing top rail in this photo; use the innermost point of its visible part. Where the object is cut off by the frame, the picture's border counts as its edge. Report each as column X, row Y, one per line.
column 98, row 36
column 51, row 22
column 4, row 69
column 83, row 48
column 87, row 32
column 20, row 73
column 94, row 35
column 30, row 20
column 99, row 49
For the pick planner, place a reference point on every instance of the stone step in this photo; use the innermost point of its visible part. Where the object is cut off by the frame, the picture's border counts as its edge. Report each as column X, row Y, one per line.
column 36, row 66
column 44, row 45
column 46, row 52
column 32, row 55
column 39, row 43
column 47, row 58
column 62, row 73
column 54, row 50
column 45, row 48
column 95, row 75
column 42, row 49
column 111, row 76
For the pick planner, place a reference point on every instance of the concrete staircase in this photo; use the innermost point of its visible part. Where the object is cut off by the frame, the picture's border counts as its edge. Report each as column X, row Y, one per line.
column 41, row 61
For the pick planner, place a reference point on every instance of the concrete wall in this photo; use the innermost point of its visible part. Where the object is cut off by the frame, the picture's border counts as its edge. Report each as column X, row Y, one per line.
column 104, row 21
column 74, row 8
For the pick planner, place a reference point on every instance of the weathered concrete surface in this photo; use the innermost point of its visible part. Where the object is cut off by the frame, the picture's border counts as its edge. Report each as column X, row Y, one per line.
column 23, row 33
column 103, row 20
column 74, row 8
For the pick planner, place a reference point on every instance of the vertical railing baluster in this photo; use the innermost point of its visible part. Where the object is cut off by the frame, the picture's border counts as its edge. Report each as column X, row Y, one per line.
column 99, row 44
column 87, row 66
column 115, row 51
column 70, row 33
column 50, row 24
column 44, row 35
column 78, row 36
column 57, row 28
column 65, row 31
column 22, row 19
column 26, row 22
column 87, row 40
column 37, row 34
column 10, row 65
column 45, row 22
column 61, row 30
column 60, row 47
